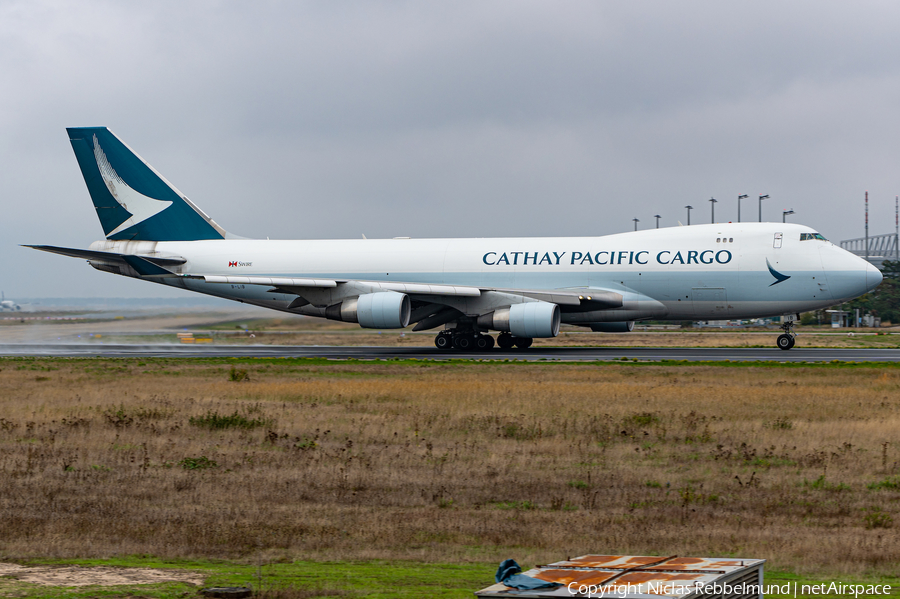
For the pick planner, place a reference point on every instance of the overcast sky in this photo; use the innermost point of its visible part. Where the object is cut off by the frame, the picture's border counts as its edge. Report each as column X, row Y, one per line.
column 332, row 119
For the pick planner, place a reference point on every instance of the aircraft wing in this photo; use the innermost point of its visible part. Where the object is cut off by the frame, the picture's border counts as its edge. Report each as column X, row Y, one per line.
column 597, row 298
column 291, row 285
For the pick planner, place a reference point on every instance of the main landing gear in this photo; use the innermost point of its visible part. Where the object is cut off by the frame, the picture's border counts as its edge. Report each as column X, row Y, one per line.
column 786, row 340
column 471, row 341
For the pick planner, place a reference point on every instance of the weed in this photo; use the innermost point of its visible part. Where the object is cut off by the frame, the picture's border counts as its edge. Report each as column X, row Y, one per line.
column 878, row 519
column 201, row 463
column 118, row 417
column 236, row 376
column 823, row 485
column 781, row 423
column 891, row 483
column 515, row 505
column 644, row 419
column 212, row 420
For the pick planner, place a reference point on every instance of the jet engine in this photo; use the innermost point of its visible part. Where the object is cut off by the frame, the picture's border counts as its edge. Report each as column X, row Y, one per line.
column 382, row 310
column 530, row 320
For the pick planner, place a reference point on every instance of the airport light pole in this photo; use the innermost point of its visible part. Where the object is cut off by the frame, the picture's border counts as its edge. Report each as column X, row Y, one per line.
column 657, row 217
column 636, row 221
column 784, row 215
column 689, row 208
column 740, row 197
column 712, row 203
column 761, row 198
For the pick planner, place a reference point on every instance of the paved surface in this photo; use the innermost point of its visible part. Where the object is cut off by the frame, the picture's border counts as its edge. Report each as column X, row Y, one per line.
column 383, row 353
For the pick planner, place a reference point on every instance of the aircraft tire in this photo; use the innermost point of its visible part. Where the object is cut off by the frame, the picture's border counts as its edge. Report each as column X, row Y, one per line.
column 785, row 342
column 505, row 341
column 523, row 342
column 464, row 342
column 484, row 342
column 443, row 341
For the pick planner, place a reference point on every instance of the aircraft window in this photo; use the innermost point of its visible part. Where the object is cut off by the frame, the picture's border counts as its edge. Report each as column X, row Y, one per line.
column 808, row 236
column 718, row 240
column 731, row 240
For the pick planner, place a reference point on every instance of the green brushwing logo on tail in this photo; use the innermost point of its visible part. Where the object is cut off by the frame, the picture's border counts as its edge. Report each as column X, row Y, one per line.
column 133, row 201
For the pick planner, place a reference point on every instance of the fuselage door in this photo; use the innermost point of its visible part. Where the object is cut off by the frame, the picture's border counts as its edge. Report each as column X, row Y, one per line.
column 778, row 238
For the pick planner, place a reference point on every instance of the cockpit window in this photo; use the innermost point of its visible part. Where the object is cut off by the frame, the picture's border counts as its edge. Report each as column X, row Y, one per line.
column 808, row 236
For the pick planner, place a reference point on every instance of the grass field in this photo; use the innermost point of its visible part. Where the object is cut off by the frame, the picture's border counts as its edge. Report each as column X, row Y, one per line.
column 371, row 579
column 274, row 461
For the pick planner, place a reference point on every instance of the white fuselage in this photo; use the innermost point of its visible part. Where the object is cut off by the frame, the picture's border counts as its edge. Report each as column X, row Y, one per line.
column 719, row 271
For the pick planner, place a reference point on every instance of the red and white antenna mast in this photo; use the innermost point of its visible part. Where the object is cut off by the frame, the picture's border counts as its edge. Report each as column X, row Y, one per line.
column 867, row 226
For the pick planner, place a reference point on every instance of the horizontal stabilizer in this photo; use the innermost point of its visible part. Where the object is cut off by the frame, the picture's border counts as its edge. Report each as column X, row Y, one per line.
column 109, row 256
column 145, row 268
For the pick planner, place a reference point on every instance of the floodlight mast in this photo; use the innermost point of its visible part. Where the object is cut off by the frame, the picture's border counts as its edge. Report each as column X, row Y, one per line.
column 636, row 221
column 657, row 217
column 689, row 208
column 785, row 214
column 712, row 203
column 740, row 197
column 761, row 198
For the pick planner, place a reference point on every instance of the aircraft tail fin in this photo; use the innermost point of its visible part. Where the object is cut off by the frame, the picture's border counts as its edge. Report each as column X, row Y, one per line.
column 133, row 201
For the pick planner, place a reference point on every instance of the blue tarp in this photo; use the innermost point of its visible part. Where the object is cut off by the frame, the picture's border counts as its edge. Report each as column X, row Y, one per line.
column 509, row 574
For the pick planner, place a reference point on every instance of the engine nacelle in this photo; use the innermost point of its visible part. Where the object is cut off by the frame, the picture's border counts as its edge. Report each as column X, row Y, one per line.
column 382, row 310
column 531, row 319
column 613, row 327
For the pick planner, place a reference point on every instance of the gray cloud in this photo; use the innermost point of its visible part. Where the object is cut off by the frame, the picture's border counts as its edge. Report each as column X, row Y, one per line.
column 301, row 119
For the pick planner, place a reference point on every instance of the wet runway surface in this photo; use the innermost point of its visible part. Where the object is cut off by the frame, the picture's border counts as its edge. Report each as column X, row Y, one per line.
column 574, row 354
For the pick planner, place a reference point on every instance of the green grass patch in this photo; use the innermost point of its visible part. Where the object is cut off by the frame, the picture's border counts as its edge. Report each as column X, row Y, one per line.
column 891, row 483
column 374, row 579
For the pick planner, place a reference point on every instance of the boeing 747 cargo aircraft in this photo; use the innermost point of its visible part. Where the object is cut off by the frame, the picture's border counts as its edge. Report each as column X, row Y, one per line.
column 522, row 288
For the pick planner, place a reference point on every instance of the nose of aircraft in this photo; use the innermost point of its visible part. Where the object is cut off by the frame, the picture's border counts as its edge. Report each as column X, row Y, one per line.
column 848, row 275
column 873, row 277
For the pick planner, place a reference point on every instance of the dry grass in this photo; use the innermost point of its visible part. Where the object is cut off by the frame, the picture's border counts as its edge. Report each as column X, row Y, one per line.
column 450, row 461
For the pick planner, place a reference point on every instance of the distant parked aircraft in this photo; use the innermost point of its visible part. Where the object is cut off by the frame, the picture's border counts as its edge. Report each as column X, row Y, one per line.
column 522, row 287
column 8, row 305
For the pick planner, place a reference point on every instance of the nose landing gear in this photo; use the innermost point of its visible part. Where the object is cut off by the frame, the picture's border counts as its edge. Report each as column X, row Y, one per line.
column 786, row 340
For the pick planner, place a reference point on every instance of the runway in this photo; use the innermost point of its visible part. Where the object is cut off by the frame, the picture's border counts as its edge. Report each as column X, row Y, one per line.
column 561, row 354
